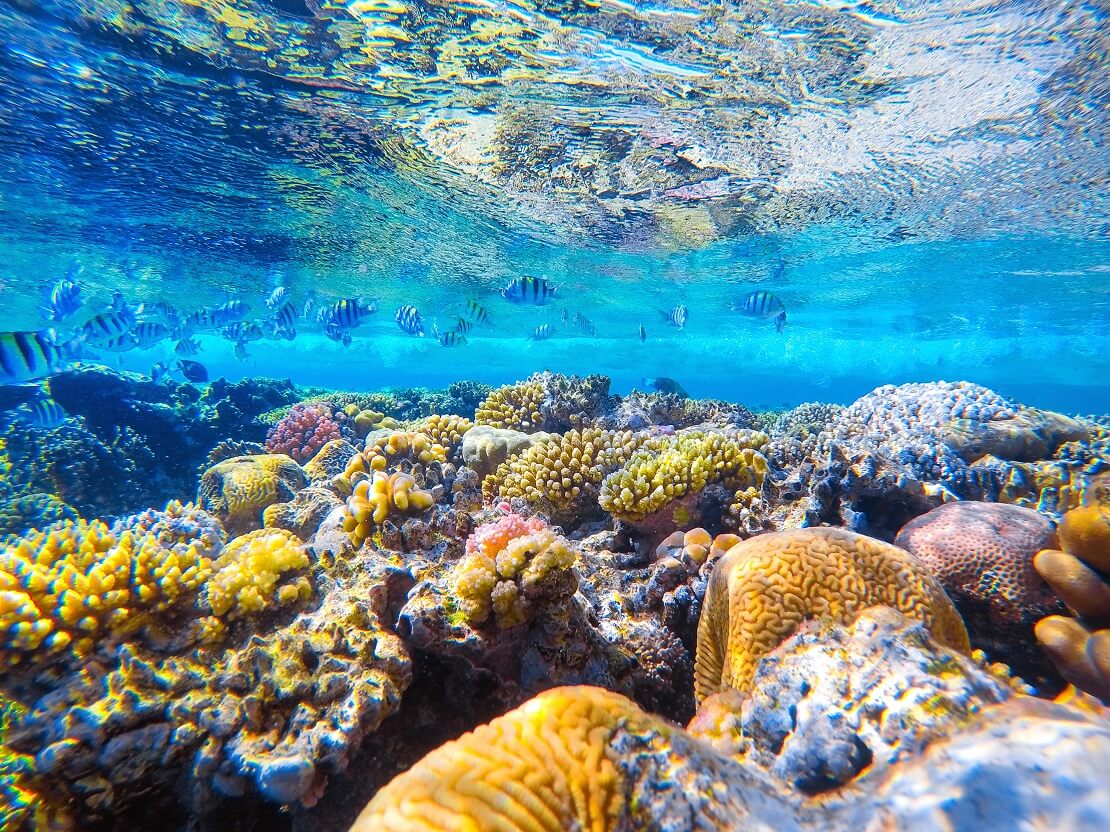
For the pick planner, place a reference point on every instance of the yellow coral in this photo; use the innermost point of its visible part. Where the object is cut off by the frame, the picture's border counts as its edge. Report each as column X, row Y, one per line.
column 64, row 587
column 237, row 490
column 412, row 448
column 668, row 468
column 444, row 430
column 558, row 475
column 515, row 406
column 547, row 766
column 374, row 500
column 765, row 587
column 246, row 573
column 531, row 567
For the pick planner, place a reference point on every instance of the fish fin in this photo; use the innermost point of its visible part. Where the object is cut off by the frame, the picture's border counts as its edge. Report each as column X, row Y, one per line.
column 780, row 321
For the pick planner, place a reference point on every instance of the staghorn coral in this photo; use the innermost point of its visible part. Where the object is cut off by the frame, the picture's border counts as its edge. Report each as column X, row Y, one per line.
column 62, row 589
column 1080, row 646
column 667, row 469
column 302, row 432
column 561, row 477
column 982, row 554
column 765, row 587
column 238, row 489
column 511, row 567
column 514, row 406
column 385, row 495
column 245, row 576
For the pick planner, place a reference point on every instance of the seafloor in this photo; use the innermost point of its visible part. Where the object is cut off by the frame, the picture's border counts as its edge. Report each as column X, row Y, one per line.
column 890, row 615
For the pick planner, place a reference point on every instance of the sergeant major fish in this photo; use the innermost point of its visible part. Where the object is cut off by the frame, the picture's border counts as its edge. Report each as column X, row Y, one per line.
column 677, row 317
column 65, row 297
column 25, row 356
column 762, row 304
column 541, row 333
column 529, row 290
column 582, row 323
column 187, row 346
column 117, row 320
column 410, row 322
column 477, row 313
column 347, row 313
column 242, row 331
column 43, row 412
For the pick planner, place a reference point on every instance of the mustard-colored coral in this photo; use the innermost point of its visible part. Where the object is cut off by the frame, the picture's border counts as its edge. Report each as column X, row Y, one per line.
column 373, row 500
column 399, row 448
column 516, row 406
column 530, row 569
column 447, row 431
column 63, row 588
column 547, row 766
column 246, row 574
column 1080, row 647
column 669, row 468
column 238, row 489
column 766, row 586
column 559, row 476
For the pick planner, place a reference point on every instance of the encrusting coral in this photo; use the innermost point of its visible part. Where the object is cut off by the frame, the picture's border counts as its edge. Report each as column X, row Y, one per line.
column 1080, row 647
column 510, row 567
column 238, row 489
column 766, row 586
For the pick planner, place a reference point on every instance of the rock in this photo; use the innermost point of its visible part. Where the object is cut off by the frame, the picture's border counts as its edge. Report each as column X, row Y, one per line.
column 485, row 447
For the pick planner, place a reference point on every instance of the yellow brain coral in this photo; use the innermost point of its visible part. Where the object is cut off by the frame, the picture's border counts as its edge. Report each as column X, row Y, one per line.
column 766, row 586
column 372, row 501
column 668, row 468
column 64, row 587
column 237, row 490
column 246, row 573
column 515, row 406
column 545, row 767
column 560, row 474
column 529, row 570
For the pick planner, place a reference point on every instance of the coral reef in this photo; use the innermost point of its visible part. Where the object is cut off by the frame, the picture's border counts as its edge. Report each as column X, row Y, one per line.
column 638, row 411
column 484, row 448
column 547, row 402
column 562, row 477
column 1080, row 646
column 511, row 567
column 304, row 513
column 765, row 587
column 238, row 489
column 447, row 431
column 982, row 554
column 330, row 461
column 245, row 576
column 32, row 511
column 385, row 495
column 302, row 432
column 658, row 485
column 515, row 406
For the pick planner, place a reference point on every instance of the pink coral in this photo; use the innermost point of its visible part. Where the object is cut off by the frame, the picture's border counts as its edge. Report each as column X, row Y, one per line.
column 491, row 538
column 302, row 432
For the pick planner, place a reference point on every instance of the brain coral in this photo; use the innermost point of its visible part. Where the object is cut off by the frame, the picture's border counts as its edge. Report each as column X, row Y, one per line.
column 511, row 567
column 766, row 586
column 238, row 489
column 302, row 432
column 668, row 468
column 561, row 477
column 982, row 554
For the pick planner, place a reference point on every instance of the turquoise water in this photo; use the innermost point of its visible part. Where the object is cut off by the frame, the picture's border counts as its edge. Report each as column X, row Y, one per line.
column 923, row 189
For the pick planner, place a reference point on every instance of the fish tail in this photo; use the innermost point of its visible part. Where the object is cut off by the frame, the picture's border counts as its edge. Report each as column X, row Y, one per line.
column 780, row 321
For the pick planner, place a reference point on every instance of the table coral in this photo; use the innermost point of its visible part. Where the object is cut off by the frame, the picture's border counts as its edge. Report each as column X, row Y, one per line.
column 238, row 489
column 1080, row 647
column 302, row 432
column 245, row 576
column 766, row 586
column 373, row 500
column 666, row 469
column 982, row 554
column 511, row 567
column 561, row 477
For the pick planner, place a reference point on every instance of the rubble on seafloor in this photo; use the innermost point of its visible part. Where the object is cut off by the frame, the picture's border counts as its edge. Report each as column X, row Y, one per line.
column 594, row 569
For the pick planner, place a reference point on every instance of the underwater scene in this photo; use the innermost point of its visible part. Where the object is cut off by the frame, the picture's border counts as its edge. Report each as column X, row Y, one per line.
column 601, row 415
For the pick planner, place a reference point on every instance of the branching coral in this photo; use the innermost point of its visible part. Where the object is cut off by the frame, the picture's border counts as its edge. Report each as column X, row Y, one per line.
column 245, row 575
column 765, row 587
column 547, row 402
column 511, row 567
column 515, row 406
column 374, row 500
column 561, row 477
column 302, row 432
column 398, row 449
column 668, row 468
column 238, row 489
column 1080, row 647
column 447, row 431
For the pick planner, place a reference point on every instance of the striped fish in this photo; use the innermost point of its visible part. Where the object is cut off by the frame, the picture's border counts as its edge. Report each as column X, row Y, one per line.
column 529, row 290
column 463, row 326
column 762, row 304
column 285, row 317
column 110, row 324
column 241, row 350
column 410, row 322
column 582, row 323
column 43, row 413
column 242, row 331
column 149, row 333
column 337, row 334
column 214, row 317
column 541, row 333
column 347, row 313
column 677, row 317
column 65, row 297
column 452, row 339
column 477, row 313
column 187, row 346
column 25, row 356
